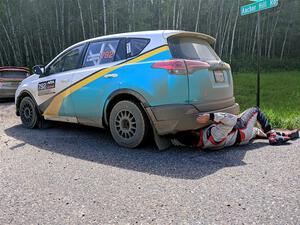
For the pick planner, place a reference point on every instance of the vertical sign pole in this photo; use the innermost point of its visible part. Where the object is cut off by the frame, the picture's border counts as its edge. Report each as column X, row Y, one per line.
column 258, row 59
column 258, row 6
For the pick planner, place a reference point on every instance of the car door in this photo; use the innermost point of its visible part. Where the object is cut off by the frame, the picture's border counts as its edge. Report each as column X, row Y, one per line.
column 93, row 88
column 59, row 76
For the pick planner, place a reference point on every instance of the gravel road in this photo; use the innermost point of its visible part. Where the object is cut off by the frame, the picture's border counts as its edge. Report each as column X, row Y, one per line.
column 72, row 174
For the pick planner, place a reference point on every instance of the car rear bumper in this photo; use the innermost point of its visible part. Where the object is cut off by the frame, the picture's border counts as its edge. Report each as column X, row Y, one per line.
column 170, row 119
column 7, row 92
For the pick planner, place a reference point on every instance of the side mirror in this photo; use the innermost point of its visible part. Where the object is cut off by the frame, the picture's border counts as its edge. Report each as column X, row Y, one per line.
column 40, row 70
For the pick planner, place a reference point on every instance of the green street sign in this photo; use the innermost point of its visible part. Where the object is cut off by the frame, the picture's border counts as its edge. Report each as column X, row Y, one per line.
column 259, row 5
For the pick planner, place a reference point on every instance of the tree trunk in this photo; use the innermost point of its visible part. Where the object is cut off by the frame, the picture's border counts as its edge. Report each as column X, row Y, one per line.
column 63, row 24
column 14, row 40
column 81, row 19
column 27, row 59
column 224, row 35
column 10, row 41
column 32, row 49
column 92, row 21
column 254, row 42
column 4, row 55
column 113, row 16
column 285, row 37
column 220, row 23
column 69, row 27
column 198, row 16
column 1, row 60
column 104, row 17
column 178, row 14
column 41, row 46
column 234, row 29
column 57, row 24
column 272, row 35
column 174, row 14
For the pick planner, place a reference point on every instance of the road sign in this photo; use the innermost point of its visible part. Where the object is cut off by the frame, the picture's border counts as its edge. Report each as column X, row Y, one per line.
column 259, row 5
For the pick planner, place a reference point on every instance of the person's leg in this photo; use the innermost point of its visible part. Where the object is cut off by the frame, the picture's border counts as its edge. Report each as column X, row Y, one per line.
column 246, row 123
column 246, row 126
column 251, row 116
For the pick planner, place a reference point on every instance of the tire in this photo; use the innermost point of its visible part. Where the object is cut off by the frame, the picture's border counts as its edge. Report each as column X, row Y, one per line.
column 128, row 124
column 29, row 114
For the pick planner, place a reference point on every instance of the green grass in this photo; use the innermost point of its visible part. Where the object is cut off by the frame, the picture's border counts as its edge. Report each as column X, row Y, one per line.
column 280, row 96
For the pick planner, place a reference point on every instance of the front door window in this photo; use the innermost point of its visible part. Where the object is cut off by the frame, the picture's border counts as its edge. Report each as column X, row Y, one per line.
column 68, row 61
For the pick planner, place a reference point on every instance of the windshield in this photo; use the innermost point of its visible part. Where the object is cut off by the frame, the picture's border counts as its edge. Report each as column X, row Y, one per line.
column 191, row 48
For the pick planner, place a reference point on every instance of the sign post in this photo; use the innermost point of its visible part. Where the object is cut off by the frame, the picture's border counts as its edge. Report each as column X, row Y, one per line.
column 258, row 6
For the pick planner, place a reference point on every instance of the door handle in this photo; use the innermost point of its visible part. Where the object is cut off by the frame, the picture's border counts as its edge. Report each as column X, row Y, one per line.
column 113, row 75
column 65, row 81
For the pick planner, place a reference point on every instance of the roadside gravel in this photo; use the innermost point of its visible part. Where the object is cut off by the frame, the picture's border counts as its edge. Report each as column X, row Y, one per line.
column 72, row 174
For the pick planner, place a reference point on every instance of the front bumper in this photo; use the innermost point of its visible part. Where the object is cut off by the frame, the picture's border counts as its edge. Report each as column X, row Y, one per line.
column 170, row 119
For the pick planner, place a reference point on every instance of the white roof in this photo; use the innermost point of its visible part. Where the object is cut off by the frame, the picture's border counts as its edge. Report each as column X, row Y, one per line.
column 154, row 34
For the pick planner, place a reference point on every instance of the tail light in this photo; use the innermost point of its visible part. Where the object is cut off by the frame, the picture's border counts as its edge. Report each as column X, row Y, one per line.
column 193, row 65
column 173, row 66
column 181, row 67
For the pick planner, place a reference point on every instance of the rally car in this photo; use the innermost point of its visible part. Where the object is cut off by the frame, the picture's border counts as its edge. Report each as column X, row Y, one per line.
column 130, row 83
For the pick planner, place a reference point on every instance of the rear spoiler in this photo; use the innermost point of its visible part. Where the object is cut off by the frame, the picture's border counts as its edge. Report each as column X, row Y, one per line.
column 205, row 37
column 14, row 69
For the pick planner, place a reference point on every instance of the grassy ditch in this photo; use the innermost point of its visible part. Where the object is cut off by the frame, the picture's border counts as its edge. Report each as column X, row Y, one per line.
column 280, row 96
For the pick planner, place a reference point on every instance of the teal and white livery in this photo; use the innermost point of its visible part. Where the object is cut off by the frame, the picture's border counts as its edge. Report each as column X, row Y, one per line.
column 131, row 83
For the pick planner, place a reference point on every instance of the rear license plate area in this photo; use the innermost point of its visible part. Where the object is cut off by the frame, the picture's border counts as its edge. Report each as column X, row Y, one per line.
column 219, row 76
column 10, row 84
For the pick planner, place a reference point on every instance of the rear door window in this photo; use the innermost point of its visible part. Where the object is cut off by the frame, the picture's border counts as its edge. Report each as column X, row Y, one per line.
column 191, row 48
column 134, row 46
column 101, row 52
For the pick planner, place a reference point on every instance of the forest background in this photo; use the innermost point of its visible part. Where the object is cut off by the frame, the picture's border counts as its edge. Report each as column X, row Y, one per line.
column 35, row 31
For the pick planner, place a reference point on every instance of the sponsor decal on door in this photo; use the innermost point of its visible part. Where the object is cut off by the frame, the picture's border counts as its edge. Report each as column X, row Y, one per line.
column 46, row 87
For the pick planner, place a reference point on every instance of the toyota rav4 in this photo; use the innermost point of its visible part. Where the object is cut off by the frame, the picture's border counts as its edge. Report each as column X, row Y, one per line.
column 130, row 83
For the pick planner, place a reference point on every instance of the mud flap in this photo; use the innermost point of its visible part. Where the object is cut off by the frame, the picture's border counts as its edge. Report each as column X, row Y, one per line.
column 162, row 143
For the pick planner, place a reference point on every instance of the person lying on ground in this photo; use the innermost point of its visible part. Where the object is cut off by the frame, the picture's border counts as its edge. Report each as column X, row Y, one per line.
column 230, row 130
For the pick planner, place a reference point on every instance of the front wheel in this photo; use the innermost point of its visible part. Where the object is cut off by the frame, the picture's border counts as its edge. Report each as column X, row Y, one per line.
column 128, row 124
column 29, row 114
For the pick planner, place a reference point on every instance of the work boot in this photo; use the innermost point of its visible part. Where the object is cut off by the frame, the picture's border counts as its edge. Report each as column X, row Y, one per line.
column 293, row 134
column 277, row 139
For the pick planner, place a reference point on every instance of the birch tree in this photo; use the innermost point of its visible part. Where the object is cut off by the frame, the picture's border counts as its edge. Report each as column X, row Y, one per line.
column 104, row 17
column 234, row 29
column 198, row 16
column 34, row 31
column 81, row 19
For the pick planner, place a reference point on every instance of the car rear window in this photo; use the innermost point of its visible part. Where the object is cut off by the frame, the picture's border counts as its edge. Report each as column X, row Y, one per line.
column 13, row 74
column 191, row 48
column 134, row 46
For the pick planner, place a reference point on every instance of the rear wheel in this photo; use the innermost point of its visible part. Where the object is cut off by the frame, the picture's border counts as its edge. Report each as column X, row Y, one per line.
column 128, row 124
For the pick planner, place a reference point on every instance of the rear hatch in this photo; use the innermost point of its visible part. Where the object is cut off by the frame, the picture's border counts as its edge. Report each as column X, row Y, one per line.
column 211, row 86
column 12, row 79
